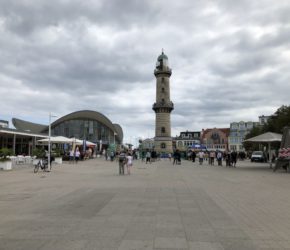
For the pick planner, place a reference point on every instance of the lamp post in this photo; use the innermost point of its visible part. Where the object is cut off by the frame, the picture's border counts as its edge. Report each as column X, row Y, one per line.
column 115, row 146
column 115, row 137
column 49, row 135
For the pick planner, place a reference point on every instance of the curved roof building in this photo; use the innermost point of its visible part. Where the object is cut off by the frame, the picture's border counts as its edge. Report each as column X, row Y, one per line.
column 28, row 126
column 85, row 124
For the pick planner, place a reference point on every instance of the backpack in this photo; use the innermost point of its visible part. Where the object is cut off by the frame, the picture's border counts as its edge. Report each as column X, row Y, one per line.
column 122, row 157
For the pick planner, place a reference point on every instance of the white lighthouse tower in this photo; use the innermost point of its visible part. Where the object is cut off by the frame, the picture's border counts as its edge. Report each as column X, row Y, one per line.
column 163, row 106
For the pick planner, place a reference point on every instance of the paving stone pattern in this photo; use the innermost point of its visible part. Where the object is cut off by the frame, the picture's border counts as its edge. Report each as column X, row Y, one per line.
column 159, row 206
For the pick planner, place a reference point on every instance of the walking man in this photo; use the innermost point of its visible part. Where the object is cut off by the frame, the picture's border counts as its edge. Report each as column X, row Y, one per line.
column 122, row 162
column 148, row 156
column 200, row 157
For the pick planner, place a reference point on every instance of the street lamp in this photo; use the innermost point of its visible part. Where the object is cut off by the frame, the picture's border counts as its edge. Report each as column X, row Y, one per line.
column 115, row 137
column 49, row 135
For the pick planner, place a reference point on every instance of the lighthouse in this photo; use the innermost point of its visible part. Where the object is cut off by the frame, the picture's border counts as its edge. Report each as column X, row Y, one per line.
column 163, row 106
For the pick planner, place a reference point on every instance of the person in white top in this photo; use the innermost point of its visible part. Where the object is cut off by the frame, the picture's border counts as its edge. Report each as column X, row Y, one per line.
column 129, row 163
column 200, row 156
column 77, row 154
column 71, row 156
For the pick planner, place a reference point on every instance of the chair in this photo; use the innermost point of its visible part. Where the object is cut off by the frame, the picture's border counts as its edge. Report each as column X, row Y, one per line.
column 20, row 159
column 28, row 159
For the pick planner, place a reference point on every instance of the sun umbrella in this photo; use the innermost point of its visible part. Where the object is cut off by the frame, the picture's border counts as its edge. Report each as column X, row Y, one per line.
column 89, row 143
column 56, row 139
column 76, row 141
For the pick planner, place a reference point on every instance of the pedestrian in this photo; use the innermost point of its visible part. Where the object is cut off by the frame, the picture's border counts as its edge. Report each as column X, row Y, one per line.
column 153, row 156
column 234, row 156
column 129, row 163
column 200, row 157
column 117, row 156
column 193, row 156
column 189, row 154
column 175, row 157
column 228, row 159
column 211, row 157
column 122, row 162
column 219, row 158
column 71, row 156
column 148, row 157
column 206, row 156
column 169, row 156
column 77, row 154
column 112, row 155
column 143, row 155
column 178, row 157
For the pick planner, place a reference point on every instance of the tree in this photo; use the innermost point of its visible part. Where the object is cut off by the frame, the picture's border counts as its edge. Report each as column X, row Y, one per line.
column 278, row 120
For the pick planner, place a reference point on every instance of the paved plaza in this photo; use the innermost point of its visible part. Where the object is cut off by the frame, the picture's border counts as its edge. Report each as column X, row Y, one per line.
column 159, row 206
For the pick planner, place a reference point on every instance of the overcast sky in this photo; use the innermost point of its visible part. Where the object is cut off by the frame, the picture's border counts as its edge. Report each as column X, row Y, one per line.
column 230, row 60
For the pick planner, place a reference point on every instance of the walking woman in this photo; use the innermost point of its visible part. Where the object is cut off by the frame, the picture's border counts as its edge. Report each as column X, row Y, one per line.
column 77, row 154
column 129, row 163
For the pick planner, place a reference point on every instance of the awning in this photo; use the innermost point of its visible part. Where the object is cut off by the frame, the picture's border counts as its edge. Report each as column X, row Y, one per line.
column 197, row 146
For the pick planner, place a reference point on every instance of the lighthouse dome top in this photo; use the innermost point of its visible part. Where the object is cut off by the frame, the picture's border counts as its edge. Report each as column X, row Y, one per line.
column 162, row 63
column 162, row 56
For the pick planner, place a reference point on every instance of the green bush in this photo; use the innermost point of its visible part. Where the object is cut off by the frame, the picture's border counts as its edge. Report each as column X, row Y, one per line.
column 56, row 152
column 38, row 152
column 4, row 152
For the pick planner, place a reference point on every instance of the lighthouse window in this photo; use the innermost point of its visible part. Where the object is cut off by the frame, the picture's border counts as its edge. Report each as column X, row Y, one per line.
column 163, row 145
column 162, row 90
column 162, row 79
column 163, row 130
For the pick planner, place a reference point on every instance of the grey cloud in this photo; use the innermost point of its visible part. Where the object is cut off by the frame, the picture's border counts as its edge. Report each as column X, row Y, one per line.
column 65, row 56
column 26, row 17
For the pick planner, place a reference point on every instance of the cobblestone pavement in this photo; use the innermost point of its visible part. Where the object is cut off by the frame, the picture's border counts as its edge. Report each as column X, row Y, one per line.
column 159, row 206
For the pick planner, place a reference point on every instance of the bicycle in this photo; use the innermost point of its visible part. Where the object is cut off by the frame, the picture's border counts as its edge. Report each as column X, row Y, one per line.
column 43, row 164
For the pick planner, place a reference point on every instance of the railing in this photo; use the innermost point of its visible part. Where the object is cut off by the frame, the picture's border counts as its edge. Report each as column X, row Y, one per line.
column 163, row 71
column 168, row 105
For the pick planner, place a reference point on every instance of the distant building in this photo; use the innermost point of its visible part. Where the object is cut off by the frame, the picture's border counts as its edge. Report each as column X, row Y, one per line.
column 85, row 125
column 215, row 138
column 4, row 124
column 186, row 139
column 263, row 119
column 147, row 144
column 238, row 131
column 88, row 125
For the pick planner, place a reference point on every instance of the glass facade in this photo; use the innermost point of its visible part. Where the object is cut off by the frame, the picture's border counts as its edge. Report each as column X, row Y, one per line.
column 84, row 129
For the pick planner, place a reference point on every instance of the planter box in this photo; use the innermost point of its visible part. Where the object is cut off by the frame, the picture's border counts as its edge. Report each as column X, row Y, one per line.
column 58, row 160
column 6, row 165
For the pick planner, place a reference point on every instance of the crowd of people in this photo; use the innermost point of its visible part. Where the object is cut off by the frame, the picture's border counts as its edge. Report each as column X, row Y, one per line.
column 230, row 157
column 148, row 156
column 76, row 154
column 125, row 158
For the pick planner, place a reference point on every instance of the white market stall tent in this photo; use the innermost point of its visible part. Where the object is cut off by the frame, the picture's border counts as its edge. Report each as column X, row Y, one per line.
column 267, row 138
